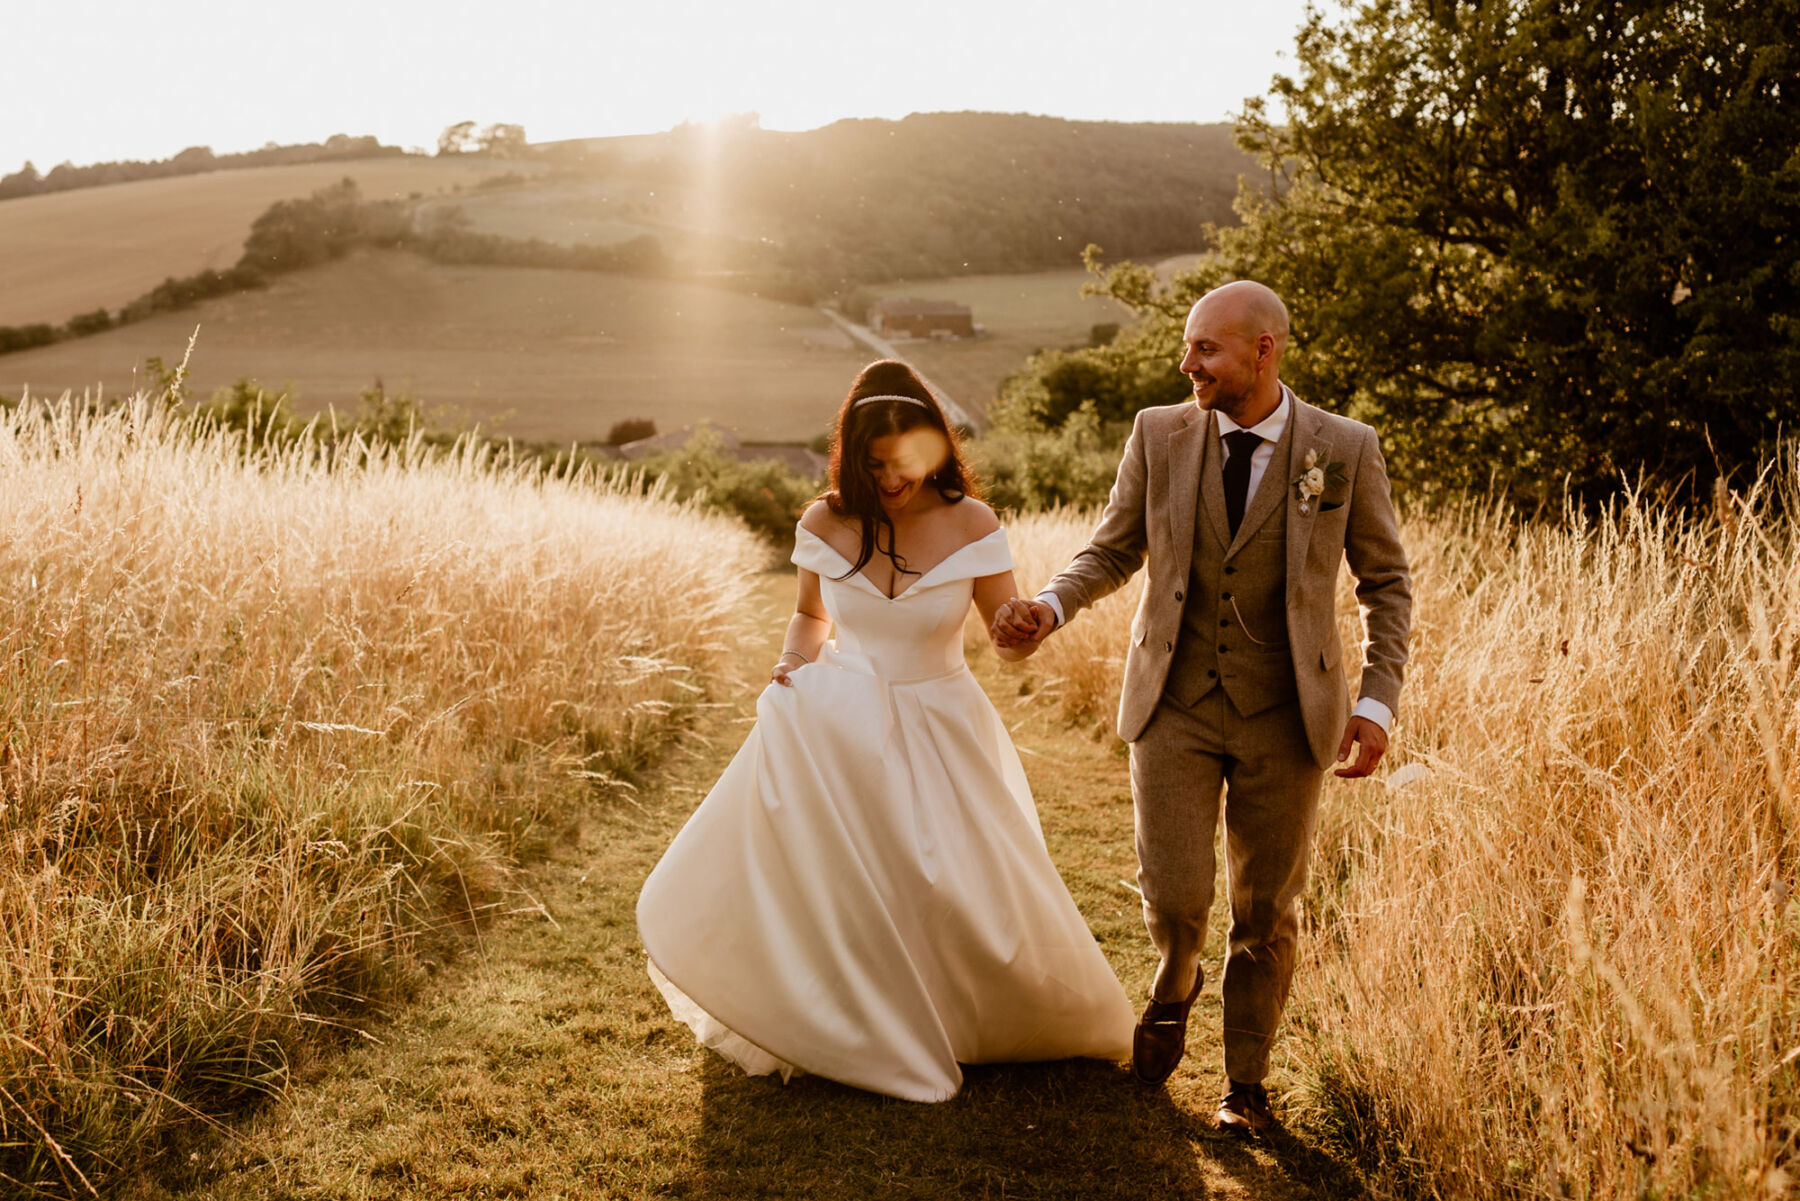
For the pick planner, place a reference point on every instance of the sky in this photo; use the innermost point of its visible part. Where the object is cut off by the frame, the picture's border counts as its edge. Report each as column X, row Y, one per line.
column 116, row 79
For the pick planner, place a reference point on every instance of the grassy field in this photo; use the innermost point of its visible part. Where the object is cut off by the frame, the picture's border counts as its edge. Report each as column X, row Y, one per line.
column 1565, row 961
column 270, row 723
column 547, row 1065
column 72, row 252
column 1022, row 313
column 534, row 354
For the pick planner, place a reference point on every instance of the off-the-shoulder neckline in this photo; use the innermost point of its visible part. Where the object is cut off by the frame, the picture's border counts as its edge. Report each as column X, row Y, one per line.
column 925, row 575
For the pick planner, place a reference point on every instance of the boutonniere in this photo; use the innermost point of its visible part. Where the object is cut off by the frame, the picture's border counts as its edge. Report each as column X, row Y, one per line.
column 1313, row 478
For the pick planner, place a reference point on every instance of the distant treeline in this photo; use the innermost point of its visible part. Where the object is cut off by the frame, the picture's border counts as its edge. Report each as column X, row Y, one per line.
column 195, row 159
column 956, row 193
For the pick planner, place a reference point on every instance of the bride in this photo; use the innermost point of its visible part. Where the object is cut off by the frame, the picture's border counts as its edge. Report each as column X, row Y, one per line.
column 865, row 894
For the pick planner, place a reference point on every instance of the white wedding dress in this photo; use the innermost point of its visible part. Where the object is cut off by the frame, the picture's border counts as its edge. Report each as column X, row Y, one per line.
column 865, row 894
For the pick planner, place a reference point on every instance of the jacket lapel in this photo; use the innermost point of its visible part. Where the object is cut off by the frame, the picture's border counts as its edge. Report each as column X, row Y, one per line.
column 1187, row 464
column 1273, row 485
column 1309, row 434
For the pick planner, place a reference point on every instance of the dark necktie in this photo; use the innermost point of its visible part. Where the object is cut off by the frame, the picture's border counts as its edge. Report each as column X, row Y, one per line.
column 1240, row 445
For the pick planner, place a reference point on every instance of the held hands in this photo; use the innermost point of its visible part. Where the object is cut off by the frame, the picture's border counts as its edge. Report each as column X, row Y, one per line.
column 1371, row 743
column 1022, row 624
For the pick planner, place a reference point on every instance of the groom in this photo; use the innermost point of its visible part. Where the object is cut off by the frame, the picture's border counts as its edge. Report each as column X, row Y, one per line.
column 1244, row 505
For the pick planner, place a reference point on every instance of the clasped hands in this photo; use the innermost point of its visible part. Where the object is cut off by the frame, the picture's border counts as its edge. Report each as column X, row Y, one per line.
column 1022, row 625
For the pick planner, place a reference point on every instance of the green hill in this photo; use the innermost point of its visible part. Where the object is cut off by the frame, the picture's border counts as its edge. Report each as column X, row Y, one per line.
column 933, row 194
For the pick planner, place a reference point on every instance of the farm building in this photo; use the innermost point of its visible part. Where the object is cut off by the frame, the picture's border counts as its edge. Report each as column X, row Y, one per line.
column 921, row 319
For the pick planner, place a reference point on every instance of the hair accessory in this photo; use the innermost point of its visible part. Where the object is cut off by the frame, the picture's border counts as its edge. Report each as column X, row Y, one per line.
column 911, row 400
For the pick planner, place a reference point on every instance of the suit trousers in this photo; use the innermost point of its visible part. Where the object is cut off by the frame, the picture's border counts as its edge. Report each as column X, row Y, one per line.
column 1187, row 760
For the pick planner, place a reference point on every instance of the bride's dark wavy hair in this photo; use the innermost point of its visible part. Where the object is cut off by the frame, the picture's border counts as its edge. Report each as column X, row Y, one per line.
column 851, row 490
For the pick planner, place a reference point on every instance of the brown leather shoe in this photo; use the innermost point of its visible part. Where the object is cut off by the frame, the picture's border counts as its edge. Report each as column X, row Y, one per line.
column 1160, row 1039
column 1246, row 1109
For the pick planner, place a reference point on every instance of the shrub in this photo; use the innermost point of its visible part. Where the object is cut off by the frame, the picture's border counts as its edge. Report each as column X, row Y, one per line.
column 83, row 324
column 24, row 337
column 1028, row 470
column 763, row 493
column 630, row 430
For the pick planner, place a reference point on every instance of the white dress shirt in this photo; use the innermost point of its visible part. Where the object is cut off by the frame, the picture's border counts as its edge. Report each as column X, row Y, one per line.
column 1269, row 429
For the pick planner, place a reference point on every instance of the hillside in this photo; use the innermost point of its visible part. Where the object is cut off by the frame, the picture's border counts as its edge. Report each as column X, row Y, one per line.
column 935, row 193
column 75, row 251
column 535, row 354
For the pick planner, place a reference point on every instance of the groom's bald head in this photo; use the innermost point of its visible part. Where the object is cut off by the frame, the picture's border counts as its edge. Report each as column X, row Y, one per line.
column 1249, row 308
column 1234, row 339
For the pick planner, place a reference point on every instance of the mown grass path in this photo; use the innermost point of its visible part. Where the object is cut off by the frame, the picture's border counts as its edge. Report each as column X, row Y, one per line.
column 542, row 1063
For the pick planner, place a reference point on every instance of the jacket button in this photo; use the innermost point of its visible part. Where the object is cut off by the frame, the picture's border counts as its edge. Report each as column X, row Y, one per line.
column 1223, row 648
column 1231, row 571
column 1223, row 622
column 1168, row 646
column 1224, row 596
column 1212, row 673
column 1178, row 595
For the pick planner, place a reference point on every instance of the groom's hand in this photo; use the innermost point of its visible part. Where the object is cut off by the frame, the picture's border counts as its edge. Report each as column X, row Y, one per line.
column 1370, row 741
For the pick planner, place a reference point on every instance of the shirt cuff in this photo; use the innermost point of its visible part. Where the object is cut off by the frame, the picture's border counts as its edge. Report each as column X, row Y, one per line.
column 1051, row 599
column 1376, row 712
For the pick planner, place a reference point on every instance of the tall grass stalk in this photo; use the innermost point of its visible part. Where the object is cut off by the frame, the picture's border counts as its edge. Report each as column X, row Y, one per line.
column 268, row 716
column 1565, row 959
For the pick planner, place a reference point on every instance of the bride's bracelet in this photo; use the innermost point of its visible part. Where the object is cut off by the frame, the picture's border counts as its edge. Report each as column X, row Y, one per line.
column 796, row 654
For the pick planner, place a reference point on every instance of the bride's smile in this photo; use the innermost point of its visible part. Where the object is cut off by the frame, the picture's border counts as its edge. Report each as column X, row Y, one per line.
column 901, row 463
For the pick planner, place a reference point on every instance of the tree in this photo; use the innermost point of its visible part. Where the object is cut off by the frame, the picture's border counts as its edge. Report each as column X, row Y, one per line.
column 503, row 141
column 457, row 139
column 23, row 182
column 1552, row 238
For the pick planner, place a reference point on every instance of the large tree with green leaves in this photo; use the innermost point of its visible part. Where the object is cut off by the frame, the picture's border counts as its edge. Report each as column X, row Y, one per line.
column 1557, row 239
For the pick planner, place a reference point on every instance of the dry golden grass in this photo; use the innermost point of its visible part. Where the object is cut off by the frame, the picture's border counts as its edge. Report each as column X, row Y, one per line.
column 268, row 718
column 1566, row 960
column 73, row 252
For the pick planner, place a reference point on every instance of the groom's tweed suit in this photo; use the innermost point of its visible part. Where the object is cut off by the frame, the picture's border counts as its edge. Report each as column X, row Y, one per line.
column 1234, row 680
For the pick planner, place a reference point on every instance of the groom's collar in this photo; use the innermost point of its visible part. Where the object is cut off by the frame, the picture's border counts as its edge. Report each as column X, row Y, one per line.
column 1270, row 428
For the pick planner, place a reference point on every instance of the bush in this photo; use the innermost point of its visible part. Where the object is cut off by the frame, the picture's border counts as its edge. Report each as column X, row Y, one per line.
column 83, row 324
column 24, row 337
column 174, row 294
column 630, row 430
column 1029, row 470
column 764, row 493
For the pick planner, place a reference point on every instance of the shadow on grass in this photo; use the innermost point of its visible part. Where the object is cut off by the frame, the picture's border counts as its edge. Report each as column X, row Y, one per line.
column 1073, row 1129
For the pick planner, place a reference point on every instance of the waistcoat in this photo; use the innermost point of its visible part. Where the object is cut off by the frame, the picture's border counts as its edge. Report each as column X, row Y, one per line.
column 1234, row 621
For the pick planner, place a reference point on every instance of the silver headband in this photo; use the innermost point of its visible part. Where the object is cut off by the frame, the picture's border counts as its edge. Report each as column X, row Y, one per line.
column 911, row 400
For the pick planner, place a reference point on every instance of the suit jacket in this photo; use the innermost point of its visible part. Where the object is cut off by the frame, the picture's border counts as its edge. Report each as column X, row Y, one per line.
column 1161, row 490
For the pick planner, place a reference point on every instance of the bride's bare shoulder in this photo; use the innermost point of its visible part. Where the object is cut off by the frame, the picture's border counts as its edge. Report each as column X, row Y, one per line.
column 842, row 534
column 974, row 518
column 822, row 521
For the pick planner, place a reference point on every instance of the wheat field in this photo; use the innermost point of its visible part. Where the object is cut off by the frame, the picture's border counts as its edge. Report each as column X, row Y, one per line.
column 270, row 719
column 1564, row 960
